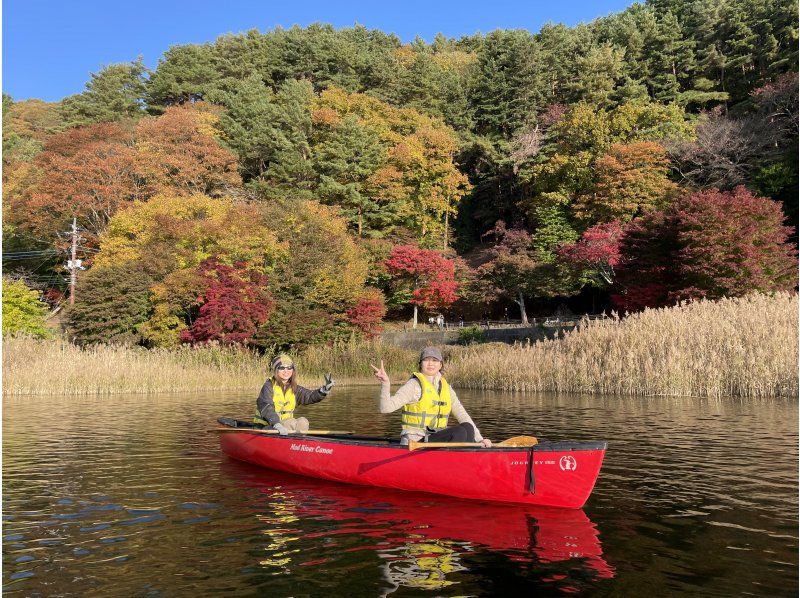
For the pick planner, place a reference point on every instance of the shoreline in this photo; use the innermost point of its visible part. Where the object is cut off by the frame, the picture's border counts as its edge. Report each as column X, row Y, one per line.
column 745, row 347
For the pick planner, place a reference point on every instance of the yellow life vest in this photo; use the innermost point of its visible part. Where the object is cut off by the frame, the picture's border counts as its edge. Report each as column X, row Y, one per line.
column 432, row 409
column 284, row 402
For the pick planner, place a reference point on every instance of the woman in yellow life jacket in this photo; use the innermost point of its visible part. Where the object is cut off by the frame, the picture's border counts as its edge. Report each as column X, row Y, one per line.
column 428, row 401
column 281, row 394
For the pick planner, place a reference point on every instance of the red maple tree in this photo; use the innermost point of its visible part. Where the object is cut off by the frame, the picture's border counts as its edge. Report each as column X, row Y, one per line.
column 236, row 302
column 426, row 273
column 368, row 312
column 707, row 244
column 596, row 252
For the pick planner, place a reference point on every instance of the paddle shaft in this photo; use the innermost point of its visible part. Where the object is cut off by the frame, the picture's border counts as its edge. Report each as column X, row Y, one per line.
column 257, row 431
column 516, row 441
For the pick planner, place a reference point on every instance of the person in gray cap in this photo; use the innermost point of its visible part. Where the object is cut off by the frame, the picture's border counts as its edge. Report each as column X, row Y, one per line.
column 281, row 394
column 428, row 401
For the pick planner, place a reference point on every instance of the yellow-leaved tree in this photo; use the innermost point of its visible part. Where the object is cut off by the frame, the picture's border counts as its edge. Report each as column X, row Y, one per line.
column 322, row 275
column 410, row 183
column 204, row 253
column 170, row 236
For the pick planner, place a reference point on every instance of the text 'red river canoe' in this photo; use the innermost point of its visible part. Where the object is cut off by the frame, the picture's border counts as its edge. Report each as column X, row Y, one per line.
column 558, row 474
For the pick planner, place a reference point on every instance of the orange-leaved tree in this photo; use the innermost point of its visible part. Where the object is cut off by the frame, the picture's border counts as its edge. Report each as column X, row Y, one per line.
column 92, row 172
column 180, row 152
column 629, row 179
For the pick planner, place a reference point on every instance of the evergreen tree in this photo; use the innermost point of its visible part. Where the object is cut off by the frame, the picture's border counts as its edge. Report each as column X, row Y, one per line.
column 597, row 73
column 184, row 74
column 236, row 57
column 270, row 131
column 505, row 88
column 558, row 45
column 634, row 30
column 346, row 161
column 672, row 59
column 115, row 93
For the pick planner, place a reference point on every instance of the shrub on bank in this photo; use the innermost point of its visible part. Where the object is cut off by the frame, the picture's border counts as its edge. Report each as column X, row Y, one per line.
column 23, row 311
column 471, row 334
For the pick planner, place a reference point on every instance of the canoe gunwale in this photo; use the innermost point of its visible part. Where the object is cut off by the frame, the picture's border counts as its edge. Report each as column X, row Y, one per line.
column 545, row 446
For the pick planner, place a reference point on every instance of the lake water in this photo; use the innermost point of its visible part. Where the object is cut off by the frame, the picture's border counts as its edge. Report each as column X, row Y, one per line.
column 131, row 496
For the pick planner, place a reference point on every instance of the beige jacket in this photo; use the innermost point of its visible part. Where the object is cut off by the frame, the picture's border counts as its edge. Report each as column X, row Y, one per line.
column 411, row 392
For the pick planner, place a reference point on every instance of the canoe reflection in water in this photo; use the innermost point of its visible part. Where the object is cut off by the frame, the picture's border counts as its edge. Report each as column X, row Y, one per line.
column 422, row 539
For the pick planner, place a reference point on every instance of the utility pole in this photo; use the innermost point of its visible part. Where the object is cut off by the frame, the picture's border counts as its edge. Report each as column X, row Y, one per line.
column 74, row 264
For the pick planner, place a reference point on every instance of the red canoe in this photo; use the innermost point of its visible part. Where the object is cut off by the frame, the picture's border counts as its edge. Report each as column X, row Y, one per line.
column 558, row 474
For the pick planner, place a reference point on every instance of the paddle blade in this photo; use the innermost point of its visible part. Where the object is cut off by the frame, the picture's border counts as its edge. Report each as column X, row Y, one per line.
column 519, row 441
column 415, row 444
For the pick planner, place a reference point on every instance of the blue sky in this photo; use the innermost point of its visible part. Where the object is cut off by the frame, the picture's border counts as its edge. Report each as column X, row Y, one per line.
column 51, row 46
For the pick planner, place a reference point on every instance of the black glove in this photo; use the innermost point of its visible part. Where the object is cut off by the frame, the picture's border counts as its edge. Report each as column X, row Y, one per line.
column 326, row 388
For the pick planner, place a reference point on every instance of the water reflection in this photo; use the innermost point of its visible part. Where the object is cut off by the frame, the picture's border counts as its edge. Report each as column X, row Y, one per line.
column 129, row 496
column 423, row 541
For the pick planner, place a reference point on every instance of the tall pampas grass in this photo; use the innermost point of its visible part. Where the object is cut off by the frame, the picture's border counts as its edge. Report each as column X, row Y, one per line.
column 741, row 347
column 35, row 367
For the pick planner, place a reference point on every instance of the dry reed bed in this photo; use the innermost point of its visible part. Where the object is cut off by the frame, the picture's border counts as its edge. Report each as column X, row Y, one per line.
column 349, row 361
column 744, row 347
column 32, row 367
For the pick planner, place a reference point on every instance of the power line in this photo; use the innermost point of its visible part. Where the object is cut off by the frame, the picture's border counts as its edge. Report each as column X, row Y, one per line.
column 24, row 255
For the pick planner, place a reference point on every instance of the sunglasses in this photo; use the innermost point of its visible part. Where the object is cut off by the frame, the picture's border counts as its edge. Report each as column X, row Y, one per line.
column 284, row 367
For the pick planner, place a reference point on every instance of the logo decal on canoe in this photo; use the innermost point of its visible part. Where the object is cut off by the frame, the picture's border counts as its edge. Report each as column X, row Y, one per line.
column 568, row 463
column 304, row 448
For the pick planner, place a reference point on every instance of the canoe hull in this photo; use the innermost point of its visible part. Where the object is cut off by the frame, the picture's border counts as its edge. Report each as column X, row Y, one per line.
column 551, row 474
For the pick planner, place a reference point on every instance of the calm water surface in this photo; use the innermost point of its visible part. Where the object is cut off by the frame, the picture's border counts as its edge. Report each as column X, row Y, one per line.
column 130, row 496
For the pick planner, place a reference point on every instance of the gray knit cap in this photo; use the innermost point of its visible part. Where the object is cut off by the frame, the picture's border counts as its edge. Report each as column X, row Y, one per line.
column 431, row 352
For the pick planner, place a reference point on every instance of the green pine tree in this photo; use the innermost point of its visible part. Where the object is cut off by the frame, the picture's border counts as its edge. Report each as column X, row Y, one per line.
column 115, row 93
column 184, row 74
column 345, row 161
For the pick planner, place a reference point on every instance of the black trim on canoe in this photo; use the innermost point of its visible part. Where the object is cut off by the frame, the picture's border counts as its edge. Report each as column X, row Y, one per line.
column 380, row 441
column 245, row 425
column 531, row 475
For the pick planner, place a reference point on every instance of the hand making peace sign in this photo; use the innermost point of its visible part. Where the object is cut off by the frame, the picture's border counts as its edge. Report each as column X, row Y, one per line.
column 380, row 373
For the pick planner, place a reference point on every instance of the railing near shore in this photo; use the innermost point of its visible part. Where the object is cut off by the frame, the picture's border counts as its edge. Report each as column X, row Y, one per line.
column 547, row 322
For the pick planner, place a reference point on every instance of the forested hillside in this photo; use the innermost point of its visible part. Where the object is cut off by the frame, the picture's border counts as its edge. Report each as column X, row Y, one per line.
column 292, row 186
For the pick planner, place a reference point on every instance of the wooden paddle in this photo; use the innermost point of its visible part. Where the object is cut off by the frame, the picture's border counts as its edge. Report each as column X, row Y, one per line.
column 521, row 441
column 258, row 431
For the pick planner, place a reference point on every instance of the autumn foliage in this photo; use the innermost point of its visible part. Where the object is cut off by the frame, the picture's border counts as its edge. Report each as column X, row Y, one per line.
column 368, row 312
column 596, row 252
column 236, row 302
column 178, row 151
column 92, row 172
column 87, row 172
column 708, row 244
column 415, row 181
column 428, row 275
column 630, row 178
column 276, row 188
